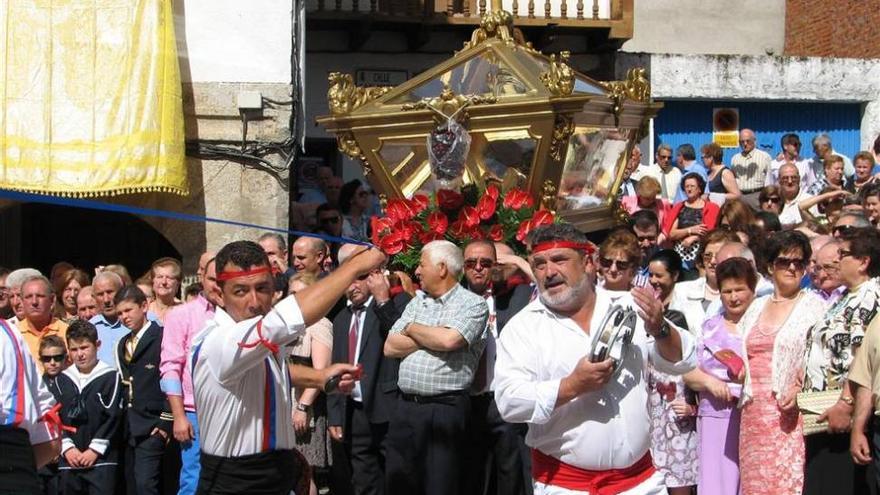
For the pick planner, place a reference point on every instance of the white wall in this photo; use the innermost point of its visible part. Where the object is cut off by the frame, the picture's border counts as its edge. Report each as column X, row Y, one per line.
column 234, row 40
column 746, row 27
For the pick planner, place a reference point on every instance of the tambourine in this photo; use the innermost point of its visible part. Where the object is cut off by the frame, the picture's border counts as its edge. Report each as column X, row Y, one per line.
column 615, row 335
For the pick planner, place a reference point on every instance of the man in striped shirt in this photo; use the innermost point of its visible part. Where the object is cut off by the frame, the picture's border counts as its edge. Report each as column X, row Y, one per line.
column 240, row 376
column 750, row 167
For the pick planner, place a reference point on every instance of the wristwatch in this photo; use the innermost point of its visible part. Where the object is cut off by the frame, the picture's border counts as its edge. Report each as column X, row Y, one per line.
column 847, row 400
column 306, row 408
column 664, row 331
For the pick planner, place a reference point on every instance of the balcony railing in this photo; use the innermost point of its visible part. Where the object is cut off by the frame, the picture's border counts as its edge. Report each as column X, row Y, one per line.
column 615, row 15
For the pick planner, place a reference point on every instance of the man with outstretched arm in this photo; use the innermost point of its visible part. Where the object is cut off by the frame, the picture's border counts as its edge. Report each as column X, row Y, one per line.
column 240, row 377
column 589, row 428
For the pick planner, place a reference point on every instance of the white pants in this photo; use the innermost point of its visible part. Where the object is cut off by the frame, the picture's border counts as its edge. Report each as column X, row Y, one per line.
column 651, row 486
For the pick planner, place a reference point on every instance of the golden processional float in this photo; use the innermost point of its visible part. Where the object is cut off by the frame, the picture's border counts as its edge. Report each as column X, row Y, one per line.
column 501, row 111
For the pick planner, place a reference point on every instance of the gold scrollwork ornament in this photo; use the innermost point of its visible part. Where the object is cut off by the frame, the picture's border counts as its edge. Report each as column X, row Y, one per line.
column 344, row 96
column 548, row 196
column 559, row 79
column 635, row 87
column 563, row 128
column 346, row 143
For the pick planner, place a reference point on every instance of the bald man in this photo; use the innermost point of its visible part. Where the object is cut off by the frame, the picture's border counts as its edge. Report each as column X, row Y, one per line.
column 750, row 166
column 308, row 255
column 824, row 277
column 86, row 307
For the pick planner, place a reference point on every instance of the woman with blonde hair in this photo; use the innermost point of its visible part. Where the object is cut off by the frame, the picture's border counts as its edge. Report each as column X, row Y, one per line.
column 647, row 198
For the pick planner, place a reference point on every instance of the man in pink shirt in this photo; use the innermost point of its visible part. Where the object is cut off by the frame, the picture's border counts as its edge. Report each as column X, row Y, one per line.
column 182, row 324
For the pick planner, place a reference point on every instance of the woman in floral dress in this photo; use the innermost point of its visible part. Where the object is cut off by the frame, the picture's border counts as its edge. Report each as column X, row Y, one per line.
column 774, row 329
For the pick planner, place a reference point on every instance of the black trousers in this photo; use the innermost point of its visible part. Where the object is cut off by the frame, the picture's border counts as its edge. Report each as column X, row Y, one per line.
column 830, row 469
column 365, row 448
column 498, row 460
column 18, row 471
column 426, row 441
column 143, row 465
column 268, row 473
column 98, row 480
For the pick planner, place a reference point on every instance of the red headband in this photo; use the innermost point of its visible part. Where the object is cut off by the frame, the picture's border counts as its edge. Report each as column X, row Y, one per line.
column 224, row 276
column 544, row 246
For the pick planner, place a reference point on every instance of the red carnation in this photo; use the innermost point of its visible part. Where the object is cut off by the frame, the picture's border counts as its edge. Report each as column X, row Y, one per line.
column 398, row 210
column 541, row 217
column 486, row 207
column 516, row 199
column 524, row 228
column 458, row 230
column 496, row 233
column 469, row 216
column 419, row 203
column 438, row 222
column 492, row 191
column 449, row 200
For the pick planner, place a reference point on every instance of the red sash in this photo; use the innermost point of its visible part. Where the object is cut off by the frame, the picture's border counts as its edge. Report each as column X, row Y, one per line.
column 551, row 471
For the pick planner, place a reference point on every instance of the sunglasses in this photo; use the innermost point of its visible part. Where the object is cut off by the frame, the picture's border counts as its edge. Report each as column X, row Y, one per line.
column 484, row 263
column 608, row 263
column 840, row 229
column 333, row 220
column 843, row 253
column 781, row 263
column 58, row 358
column 774, row 200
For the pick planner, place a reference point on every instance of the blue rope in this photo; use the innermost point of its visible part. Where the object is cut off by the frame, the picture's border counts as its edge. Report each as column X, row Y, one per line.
column 150, row 212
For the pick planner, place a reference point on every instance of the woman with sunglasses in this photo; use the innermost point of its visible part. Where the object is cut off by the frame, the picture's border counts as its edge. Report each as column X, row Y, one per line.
column 769, row 199
column 833, row 342
column 719, row 351
column 690, row 220
column 774, row 330
column 673, row 424
column 618, row 262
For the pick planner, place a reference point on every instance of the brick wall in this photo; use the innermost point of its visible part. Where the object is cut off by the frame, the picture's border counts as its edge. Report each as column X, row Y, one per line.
column 832, row 28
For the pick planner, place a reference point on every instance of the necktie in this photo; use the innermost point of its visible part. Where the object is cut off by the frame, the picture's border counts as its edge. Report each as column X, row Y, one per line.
column 663, row 189
column 353, row 334
column 129, row 349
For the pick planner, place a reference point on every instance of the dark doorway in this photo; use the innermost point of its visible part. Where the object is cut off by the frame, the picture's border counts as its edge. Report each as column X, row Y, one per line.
column 38, row 236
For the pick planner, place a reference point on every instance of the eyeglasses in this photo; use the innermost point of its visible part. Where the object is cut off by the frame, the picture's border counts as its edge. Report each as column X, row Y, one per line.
column 621, row 265
column 743, row 141
column 781, row 263
column 789, row 180
column 333, row 220
column 708, row 258
column 838, row 230
column 774, row 200
column 843, row 253
column 484, row 263
column 825, row 268
column 58, row 358
column 664, row 157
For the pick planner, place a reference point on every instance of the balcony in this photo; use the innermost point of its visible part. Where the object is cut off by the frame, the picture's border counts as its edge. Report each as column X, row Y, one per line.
column 565, row 16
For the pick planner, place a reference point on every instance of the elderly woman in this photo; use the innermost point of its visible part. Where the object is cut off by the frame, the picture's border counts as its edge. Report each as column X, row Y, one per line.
column 715, row 380
column 67, row 287
column 770, row 199
column 618, row 261
column 647, row 197
column 864, row 165
column 774, row 331
column 833, row 342
column 691, row 219
column 673, row 426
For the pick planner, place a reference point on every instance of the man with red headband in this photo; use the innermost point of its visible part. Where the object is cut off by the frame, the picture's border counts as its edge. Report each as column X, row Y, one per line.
column 588, row 426
column 240, row 376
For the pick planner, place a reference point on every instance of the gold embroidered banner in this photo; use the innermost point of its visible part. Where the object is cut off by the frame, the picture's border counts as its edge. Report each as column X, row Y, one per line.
column 90, row 98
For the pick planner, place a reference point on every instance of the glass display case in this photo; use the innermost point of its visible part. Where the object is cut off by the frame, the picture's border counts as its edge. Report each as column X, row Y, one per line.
column 532, row 121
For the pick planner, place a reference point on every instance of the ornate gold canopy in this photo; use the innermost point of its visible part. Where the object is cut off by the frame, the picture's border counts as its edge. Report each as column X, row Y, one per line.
column 534, row 123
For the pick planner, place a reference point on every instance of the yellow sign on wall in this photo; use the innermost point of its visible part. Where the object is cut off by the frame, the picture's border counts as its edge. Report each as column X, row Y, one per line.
column 90, row 98
column 725, row 127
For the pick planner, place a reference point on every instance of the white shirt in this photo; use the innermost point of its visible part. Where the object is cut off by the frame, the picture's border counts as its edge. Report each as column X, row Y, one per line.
column 24, row 398
column 670, row 180
column 242, row 395
column 490, row 352
column 804, row 170
column 791, row 212
column 601, row 430
column 356, row 394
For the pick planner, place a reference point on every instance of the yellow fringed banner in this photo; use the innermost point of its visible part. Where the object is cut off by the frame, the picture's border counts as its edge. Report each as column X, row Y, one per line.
column 90, row 98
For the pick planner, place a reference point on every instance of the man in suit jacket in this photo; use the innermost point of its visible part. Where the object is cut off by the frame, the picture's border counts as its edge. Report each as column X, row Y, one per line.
column 360, row 420
column 148, row 423
column 499, row 458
